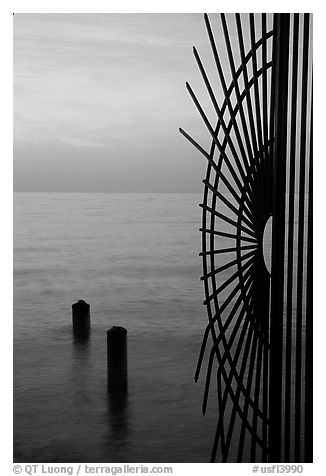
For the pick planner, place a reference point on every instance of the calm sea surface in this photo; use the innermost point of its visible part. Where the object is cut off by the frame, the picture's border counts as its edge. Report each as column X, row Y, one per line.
column 134, row 258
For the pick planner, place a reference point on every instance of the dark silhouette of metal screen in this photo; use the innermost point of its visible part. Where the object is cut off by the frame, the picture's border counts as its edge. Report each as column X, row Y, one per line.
column 257, row 345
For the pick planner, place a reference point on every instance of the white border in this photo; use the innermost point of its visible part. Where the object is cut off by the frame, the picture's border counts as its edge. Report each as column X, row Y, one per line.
column 318, row 9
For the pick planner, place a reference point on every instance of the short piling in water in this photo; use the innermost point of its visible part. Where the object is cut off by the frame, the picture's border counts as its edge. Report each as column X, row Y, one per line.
column 81, row 319
column 117, row 359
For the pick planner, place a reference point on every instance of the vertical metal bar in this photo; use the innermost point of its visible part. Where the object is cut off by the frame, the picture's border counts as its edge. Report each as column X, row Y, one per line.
column 270, row 167
column 265, row 380
column 289, row 284
column 308, row 436
column 267, row 182
column 281, row 45
column 299, row 314
column 264, row 80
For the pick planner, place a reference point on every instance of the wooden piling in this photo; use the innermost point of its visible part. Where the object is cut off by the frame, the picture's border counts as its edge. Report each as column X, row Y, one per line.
column 117, row 359
column 81, row 319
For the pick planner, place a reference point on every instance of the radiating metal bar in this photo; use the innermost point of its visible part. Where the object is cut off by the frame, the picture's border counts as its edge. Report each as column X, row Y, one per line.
column 251, row 82
column 227, row 203
column 223, row 83
column 219, row 115
column 226, row 250
column 213, row 189
column 248, row 383
column 232, row 362
column 229, row 265
column 247, row 86
column 224, row 87
column 232, row 85
column 234, row 292
column 233, row 372
column 250, row 336
column 236, row 85
column 243, row 95
column 232, row 111
column 213, row 203
column 246, row 81
column 221, row 361
column 214, row 137
column 255, row 185
column 256, row 89
column 250, row 374
column 258, row 190
column 256, row 165
column 247, row 282
column 216, row 169
column 228, row 220
column 227, row 235
column 236, row 405
column 229, row 280
column 236, row 408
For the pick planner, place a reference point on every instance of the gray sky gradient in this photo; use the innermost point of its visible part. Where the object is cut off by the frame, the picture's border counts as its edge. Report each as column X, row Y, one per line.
column 98, row 99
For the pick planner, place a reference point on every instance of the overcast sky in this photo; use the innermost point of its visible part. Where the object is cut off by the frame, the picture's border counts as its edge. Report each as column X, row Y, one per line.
column 99, row 98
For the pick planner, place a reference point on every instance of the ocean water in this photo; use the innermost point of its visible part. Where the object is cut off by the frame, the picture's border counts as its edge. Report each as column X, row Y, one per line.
column 134, row 259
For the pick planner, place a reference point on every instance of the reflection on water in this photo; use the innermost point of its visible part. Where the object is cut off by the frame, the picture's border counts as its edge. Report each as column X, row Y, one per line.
column 64, row 411
column 118, row 415
column 115, row 416
column 81, row 390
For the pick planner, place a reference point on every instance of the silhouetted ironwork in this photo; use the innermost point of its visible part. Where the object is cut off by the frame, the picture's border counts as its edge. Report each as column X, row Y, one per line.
column 259, row 166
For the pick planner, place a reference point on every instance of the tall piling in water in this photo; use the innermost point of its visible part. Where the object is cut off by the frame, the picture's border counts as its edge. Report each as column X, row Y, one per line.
column 117, row 359
column 81, row 319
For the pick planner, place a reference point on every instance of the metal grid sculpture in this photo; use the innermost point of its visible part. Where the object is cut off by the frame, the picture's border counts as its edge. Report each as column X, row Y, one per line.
column 259, row 165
